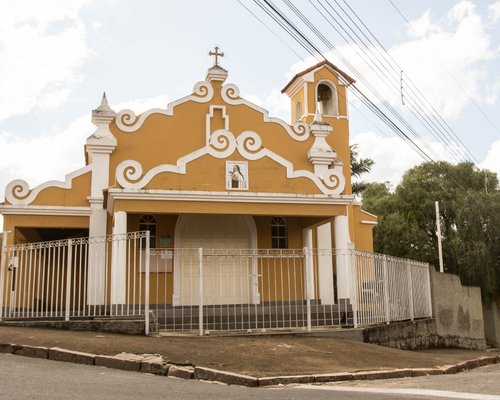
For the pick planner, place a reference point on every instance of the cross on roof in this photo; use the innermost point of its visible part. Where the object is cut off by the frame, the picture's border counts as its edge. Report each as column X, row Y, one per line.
column 217, row 54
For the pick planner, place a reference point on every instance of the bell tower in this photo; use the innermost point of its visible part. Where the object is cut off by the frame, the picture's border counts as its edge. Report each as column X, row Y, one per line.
column 320, row 93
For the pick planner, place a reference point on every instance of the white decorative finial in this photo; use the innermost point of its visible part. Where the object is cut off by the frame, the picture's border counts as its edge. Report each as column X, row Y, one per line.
column 102, row 116
column 317, row 117
column 104, row 109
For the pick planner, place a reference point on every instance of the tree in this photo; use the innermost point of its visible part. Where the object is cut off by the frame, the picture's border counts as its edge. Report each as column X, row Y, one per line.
column 359, row 166
column 470, row 220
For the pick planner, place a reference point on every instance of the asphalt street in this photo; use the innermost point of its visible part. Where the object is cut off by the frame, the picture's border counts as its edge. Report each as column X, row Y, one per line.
column 31, row 378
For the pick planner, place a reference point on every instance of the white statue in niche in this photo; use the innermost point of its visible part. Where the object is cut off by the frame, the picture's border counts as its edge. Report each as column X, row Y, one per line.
column 237, row 175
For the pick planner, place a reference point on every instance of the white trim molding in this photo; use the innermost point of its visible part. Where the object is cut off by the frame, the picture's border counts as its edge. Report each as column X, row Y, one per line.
column 230, row 197
column 7, row 209
column 18, row 192
column 222, row 144
column 299, row 131
column 128, row 122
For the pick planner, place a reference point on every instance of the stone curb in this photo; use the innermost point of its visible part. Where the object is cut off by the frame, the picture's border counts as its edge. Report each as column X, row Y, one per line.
column 156, row 364
column 77, row 357
column 230, row 378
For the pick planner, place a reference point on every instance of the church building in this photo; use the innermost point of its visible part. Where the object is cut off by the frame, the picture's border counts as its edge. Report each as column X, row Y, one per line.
column 211, row 170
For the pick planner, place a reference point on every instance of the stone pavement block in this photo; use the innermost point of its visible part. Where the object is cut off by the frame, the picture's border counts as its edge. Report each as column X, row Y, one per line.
column 31, row 351
column 285, row 380
column 154, row 365
column 127, row 362
column 180, row 372
column 449, row 369
column 465, row 365
column 6, row 348
column 230, row 378
column 481, row 361
column 388, row 374
column 77, row 357
column 426, row 371
column 335, row 377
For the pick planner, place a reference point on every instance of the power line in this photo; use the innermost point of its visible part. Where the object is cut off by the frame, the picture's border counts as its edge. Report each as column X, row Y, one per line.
column 389, row 80
column 449, row 72
column 310, row 47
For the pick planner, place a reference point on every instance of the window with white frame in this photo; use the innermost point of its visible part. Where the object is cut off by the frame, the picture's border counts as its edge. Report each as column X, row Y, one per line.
column 148, row 223
column 279, row 234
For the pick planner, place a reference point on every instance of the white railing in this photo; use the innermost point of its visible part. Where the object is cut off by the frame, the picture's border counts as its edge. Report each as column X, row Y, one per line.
column 253, row 290
column 389, row 289
column 76, row 278
column 203, row 290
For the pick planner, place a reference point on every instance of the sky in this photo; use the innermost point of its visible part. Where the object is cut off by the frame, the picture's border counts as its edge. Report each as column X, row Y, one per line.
column 58, row 56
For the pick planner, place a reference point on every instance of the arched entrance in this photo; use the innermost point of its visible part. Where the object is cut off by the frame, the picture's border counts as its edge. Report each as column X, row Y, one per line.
column 227, row 279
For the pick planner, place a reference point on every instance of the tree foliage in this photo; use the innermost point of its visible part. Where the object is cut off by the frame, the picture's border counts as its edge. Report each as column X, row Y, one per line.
column 359, row 166
column 469, row 201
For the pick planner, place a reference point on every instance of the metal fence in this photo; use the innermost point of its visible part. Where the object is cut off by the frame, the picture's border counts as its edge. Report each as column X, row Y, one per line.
column 241, row 289
column 389, row 288
column 76, row 278
column 203, row 290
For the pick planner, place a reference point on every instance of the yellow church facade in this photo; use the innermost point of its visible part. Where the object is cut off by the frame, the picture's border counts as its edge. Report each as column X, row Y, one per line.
column 212, row 171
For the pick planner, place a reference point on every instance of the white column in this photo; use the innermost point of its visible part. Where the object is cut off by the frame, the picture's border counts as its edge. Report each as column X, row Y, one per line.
column 99, row 146
column 343, row 259
column 307, row 238
column 118, row 259
column 96, row 274
column 96, row 290
column 325, row 264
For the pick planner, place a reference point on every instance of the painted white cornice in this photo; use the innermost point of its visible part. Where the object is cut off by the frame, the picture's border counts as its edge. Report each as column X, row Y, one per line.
column 7, row 209
column 229, row 197
column 18, row 192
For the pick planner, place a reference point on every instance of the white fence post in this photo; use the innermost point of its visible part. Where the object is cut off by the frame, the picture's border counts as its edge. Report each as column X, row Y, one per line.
column 146, row 284
column 308, row 274
column 200, row 288
column 69, row 262
column 386, row 290
column 353, row 276
column 3, row 263
column 410, row 290
column 429, row 292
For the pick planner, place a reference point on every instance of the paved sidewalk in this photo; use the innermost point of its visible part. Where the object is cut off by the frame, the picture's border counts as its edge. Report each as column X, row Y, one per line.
column 258, row 356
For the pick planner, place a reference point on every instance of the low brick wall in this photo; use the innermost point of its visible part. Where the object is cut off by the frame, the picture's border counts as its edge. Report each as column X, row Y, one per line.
column 458, row 320
column 417, row 335
column 130, row 327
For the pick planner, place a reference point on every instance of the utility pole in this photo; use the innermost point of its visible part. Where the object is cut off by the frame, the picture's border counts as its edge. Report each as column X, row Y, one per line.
column 440, row 249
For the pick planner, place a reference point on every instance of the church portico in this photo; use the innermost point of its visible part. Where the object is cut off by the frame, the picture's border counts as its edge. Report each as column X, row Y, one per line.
column 242, row 209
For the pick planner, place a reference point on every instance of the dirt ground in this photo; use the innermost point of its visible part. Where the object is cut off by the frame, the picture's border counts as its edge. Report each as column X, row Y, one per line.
column 254, row 355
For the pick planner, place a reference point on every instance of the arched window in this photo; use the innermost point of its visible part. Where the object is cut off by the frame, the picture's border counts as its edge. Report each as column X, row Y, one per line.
column 327, row 99
column 148, row 223
column 298, row 110
column 279, row 235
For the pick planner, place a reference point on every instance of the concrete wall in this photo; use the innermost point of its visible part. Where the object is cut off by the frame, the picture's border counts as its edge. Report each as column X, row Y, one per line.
column 491, row 314
column 458, row 311
column 457, row 320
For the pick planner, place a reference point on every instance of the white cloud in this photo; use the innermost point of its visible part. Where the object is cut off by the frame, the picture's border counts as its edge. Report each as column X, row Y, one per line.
column 275, row 102
column 492, row 159
column 495, row 11
column 392, row 156
column 43, row 47
column 52, row 156
column 441, row 58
